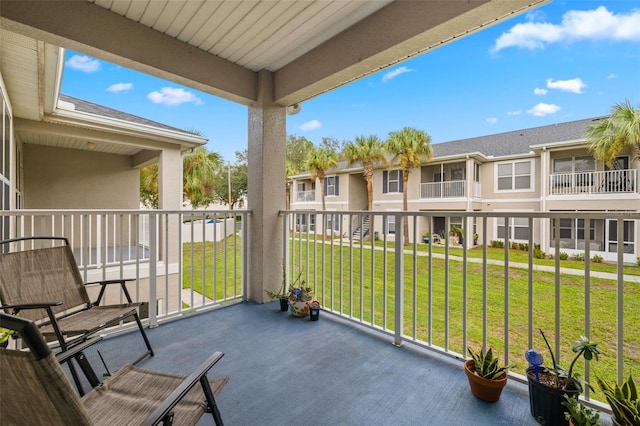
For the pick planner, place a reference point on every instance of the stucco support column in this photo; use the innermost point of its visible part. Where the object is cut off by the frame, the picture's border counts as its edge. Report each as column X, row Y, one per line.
column 170, row 197
column 267, row 141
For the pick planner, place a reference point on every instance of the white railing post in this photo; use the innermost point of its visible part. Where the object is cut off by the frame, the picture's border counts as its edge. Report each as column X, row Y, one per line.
column 399, row 281
column 153, row 273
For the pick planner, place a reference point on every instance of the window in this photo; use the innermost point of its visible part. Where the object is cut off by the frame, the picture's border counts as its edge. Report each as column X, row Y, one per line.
column 476, row 172
column 391, row 181
column 333, row 222
column 390, row 225
column 457, row 174
column 331, row 186
column 578, row 167
column 514, row 175
column 518, row 229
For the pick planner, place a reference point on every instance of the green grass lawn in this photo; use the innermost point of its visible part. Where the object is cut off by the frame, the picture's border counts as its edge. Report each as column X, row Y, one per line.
column 357, row 286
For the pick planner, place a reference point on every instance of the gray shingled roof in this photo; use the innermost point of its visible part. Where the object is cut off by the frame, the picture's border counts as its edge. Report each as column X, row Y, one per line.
column 104, row 111
column 515, row 142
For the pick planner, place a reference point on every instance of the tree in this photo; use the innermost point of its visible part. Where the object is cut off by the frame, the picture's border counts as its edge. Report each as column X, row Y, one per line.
column 290, row 170
column 297, row 149
column 408, row 147
column 319, row 160
column 332, row 144
column 619, row 133
column 198, row 172
column 235, row 174
column 369, row 151
column 149, row 186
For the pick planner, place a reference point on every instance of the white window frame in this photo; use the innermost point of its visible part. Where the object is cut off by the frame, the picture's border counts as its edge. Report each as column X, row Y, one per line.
column 514, row 176
column 397, row 181
column 331, row 186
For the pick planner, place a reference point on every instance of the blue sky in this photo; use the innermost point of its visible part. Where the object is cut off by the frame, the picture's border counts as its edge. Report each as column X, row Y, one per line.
column 564, row 61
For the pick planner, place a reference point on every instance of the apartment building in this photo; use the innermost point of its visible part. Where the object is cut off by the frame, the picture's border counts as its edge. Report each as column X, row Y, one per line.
column 542, row 169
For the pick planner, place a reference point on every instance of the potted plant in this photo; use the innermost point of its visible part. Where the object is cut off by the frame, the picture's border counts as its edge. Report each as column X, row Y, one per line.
column 5, row 333
column 314, row 310
column 547, row 386
column 580, row 415
column 475, row 238
column 283, row 294
column 425, row 237
column 623, row 400
column 299, row 298
column 486, row 376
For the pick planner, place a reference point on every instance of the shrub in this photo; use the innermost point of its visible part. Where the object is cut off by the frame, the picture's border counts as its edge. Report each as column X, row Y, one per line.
column 597, row 258
column 539, row 254
column 564, row 256
column 579, row 257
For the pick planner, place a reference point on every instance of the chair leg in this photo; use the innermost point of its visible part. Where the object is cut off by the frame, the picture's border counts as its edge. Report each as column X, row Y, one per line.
column 212, row 407
column 146, row 340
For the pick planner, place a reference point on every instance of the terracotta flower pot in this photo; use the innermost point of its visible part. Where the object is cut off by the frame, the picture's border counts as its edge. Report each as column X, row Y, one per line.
column 485, row 389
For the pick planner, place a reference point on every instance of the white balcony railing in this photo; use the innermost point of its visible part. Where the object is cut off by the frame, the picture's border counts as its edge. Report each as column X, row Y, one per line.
column 306, row 196
column 601, row 182
column 448, row 189
column 171, row 255
column 446, row 298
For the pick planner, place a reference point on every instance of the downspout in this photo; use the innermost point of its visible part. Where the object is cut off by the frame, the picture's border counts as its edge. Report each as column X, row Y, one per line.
column 469, row 182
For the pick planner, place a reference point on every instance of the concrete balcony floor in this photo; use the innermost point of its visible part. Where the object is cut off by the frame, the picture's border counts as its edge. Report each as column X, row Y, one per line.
column 288, row 371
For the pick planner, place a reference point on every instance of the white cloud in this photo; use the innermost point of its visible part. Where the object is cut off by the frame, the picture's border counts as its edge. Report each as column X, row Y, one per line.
column 120, row 87
column 518, row 112
column 492, row 120
column 311, row 125
column 612, row 76
column 576, row 25
column 540, row 92
column 543, row 109
column 172, row 96
column 83, row 63
column 394, row 73
column 575, row 85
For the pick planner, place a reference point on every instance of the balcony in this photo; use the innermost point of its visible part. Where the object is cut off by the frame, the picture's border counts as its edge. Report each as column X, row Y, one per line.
column 448, row 189
column 306, row 196
column 600, row 182
column 395, row 323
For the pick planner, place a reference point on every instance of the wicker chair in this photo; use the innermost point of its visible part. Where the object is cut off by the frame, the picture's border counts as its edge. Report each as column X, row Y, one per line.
column 45, row 285
column 36, row 391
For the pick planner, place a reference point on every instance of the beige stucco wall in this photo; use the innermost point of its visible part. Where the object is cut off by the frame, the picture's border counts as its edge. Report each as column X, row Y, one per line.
column 57, row 178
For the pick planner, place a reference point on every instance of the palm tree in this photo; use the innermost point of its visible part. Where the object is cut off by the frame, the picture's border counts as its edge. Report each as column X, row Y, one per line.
column 198, row 172
column 319, row 160
column 408, row 147
column 616, row 134
column 290, row 170
column 369, row 151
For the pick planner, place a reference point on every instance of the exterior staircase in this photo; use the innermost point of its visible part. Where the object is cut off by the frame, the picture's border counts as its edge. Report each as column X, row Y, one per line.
column 360, row 226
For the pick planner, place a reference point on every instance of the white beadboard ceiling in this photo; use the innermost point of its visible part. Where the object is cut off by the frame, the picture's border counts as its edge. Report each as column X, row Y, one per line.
column 222, row 47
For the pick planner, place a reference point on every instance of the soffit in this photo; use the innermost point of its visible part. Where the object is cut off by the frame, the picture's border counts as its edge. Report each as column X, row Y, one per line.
column 219, row 47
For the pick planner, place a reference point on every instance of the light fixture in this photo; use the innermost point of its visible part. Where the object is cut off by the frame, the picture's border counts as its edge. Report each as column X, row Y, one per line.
column 91, row 145
column 293, row 109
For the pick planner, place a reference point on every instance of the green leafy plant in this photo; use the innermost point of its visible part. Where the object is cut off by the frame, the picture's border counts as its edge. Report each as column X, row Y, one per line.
column 623, row 401
column 487, row 365
column 564, row 256
column 597, row 258
column 580, row 415
column 298, row 291
column 566, row 379
column 283, row 293
column 5, row 334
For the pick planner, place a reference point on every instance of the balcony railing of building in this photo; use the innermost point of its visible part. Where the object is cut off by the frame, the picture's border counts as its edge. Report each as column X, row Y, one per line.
column 600, row 182
column 447, row 189
column 180, row 261
column 441, row 297
column 306, row 196
column 446, row 298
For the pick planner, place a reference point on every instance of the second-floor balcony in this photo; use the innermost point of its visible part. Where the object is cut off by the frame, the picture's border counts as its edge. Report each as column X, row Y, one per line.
column 448, row 189
column 598, row 182
column 395, row 325
column 306, row 196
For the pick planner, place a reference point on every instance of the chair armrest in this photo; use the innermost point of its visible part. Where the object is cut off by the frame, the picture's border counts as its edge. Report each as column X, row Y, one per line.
column 187, row 384
column 37, row 305
column 64, row 356
column 104, row 284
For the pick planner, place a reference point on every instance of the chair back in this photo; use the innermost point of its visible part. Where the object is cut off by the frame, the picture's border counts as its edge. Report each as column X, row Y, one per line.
column 42, row 275
column 35, row 390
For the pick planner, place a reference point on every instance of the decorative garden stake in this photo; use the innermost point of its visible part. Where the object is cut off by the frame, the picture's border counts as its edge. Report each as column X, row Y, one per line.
column 535, row 359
